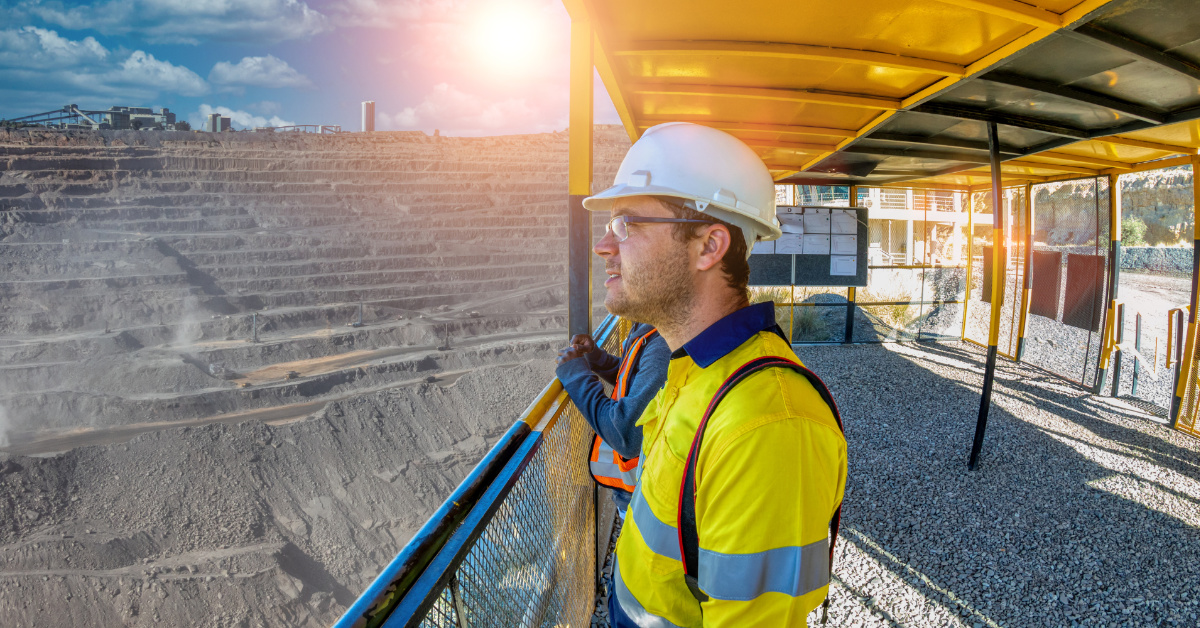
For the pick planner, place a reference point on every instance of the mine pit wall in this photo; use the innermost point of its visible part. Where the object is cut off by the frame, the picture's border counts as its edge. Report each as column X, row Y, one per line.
column 130, row 267
column 266, row 525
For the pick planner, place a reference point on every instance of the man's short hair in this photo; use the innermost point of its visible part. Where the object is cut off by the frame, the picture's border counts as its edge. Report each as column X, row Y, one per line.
column 735, row 265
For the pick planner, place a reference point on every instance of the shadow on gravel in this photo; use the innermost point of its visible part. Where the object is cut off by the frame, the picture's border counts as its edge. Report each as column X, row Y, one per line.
column 1079, row 514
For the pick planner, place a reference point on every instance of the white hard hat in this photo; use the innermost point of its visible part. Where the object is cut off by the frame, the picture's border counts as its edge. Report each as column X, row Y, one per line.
column 716, row 171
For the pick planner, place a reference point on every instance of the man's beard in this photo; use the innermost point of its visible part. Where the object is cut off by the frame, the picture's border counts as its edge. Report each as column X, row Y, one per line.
column 658, row 291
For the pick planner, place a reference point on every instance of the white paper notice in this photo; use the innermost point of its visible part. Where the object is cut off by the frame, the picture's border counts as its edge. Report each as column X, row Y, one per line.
column 843, row 265
column 791, row 223
column 763, row 248
column 789, row 244
column 816, row 221
column 844, row 244
column 844, row 221
column 816, row 244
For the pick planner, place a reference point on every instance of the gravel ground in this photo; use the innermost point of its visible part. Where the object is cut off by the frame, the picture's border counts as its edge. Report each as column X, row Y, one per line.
column 1081, row 513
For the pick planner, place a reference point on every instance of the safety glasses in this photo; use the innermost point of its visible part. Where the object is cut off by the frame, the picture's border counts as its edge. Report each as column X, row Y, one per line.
column 617, row 226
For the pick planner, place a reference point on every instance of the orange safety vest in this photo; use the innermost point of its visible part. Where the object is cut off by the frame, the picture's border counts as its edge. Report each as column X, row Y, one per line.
column 607, row 466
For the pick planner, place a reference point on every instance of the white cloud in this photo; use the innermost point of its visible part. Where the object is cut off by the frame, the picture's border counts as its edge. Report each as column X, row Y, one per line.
column 33, row 47
column 189, row 21
column 240, row 119
column 459, row 113
column 142, row 68
column 268, row 71
column 41, row 69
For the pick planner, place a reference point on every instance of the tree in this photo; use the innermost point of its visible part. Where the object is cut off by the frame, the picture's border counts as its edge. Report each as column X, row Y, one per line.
column 182, row 126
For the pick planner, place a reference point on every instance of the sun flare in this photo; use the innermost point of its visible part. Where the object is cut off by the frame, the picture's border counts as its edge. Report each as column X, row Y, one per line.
column 508, row 37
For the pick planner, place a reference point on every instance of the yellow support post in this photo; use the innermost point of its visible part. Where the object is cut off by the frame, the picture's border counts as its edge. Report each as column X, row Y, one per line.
column 579, row 181
column 1027, row 286
column 970, row 260
column 1187, row 368
column 851, row 292
column 1108, row 340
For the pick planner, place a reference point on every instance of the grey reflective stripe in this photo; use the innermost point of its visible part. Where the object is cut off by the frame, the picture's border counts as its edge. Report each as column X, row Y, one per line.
column 629, row 477
column 632, row 608
column 792, row 571
column 604, row 469
column 662, row 539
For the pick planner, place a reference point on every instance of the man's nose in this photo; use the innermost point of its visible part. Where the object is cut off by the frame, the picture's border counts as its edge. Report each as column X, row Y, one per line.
column 607, row 246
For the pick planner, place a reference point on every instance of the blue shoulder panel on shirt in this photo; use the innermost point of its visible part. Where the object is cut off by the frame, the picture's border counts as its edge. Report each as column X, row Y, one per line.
column 729, row 333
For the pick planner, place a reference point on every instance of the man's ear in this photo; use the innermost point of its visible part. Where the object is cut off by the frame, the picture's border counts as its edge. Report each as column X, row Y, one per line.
column 713, row 244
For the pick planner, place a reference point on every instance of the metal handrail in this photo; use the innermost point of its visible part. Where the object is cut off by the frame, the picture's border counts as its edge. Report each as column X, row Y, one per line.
column 389, row 589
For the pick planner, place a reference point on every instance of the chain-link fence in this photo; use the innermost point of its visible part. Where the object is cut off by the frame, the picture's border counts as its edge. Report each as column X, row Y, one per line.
column 979, row 302
column 1068, row 300
column 525, row 552
column 917, row 261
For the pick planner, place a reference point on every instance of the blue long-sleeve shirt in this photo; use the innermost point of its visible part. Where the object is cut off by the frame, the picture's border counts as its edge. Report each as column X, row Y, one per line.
column 614, row 419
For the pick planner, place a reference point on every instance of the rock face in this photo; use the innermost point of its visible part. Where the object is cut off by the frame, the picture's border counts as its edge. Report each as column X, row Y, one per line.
column 1160, row 199
column 221, row 441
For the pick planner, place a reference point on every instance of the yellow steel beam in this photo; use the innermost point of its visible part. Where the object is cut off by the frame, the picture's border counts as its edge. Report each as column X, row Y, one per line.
column 1013, row 10
column 579, row 142
column 645, row 122
column 1156, row 164
column 1136, row 143
column 804, row 52
column 978, row 67
column 804, row 146
column 1083, row 159
column 1021, row 163
column 767, row 93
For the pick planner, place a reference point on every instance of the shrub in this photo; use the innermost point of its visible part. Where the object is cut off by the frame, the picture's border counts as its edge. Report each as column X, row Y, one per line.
column 1133, row 232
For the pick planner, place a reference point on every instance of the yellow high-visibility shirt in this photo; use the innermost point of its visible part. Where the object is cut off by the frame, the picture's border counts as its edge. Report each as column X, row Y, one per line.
column 770, row 473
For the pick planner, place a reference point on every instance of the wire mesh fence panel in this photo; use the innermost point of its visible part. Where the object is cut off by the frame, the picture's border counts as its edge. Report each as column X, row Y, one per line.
column 890, row 307
column 979, row 306
column 917, row 258
column 1070, row 264
column 533, row 565
column 1152, row 231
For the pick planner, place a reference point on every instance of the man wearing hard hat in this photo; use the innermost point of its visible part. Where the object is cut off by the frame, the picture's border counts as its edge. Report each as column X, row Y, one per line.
column 743, row 459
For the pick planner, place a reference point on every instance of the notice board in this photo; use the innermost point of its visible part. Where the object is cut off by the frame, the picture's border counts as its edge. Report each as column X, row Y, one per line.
column 821, row 246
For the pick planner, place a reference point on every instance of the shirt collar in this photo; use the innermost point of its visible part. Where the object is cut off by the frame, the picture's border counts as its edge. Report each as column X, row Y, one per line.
column 727, row 334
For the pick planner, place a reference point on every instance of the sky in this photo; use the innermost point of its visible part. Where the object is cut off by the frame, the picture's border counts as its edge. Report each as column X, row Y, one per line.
column 463, row 67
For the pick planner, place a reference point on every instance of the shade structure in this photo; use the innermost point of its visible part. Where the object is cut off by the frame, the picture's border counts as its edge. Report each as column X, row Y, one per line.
column 900, row 92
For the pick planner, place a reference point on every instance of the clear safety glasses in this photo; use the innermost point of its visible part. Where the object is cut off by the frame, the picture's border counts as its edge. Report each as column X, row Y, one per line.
column 617, row 226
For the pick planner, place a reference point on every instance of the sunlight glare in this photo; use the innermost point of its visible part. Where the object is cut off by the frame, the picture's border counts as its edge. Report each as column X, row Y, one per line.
column 508, row 36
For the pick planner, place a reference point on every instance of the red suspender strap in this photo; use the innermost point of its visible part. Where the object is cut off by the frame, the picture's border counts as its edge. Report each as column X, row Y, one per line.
column 689, row 539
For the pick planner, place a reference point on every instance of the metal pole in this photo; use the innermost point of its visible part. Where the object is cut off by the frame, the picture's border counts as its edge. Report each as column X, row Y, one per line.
column 989, row 373
column 1185, row 365
column 1137, row 346
column 1027, row 288
column 579, row 182
column 1120, row 337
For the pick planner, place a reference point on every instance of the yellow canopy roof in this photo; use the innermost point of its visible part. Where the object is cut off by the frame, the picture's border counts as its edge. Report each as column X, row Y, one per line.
column 888, row 92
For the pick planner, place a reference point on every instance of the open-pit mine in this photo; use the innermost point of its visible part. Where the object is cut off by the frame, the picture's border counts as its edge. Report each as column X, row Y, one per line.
column 239, row 370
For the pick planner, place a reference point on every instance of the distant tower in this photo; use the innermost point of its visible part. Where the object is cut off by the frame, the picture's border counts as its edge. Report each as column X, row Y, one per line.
column 368, row 121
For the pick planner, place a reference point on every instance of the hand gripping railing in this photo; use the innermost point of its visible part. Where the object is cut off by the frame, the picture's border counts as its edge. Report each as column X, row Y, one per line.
column 514, row 544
